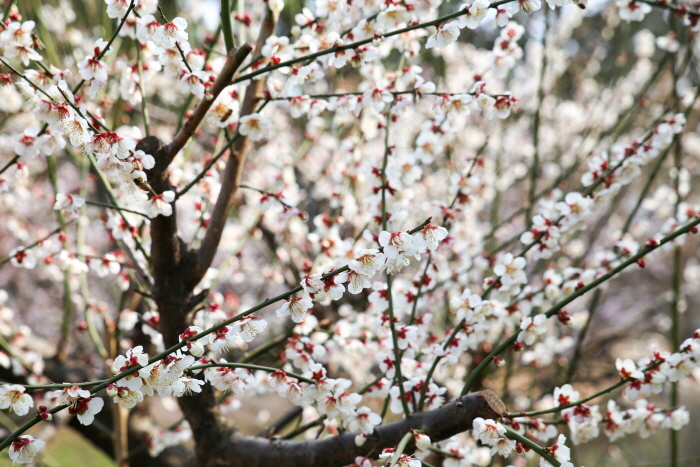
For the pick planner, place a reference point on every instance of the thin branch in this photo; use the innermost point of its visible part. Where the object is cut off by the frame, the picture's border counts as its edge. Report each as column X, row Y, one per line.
column 235, row 57
column 233, row 173
column 532, row 445
column 115, row 207
column 29, row 247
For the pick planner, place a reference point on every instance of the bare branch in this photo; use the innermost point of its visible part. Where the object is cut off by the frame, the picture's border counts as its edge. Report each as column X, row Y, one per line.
column 235, row 58
column 438, row 424
column 234, row 168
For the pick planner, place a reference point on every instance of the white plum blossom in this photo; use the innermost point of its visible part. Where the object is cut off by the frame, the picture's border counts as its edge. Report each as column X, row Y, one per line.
column 86, row 409
column 255, row 126
column 510, row 270
column 364, row 421
column 446, row 34
column 632, row 10
column 28, row 144
column 196, row 347
column 249, row 327
column 68, row 203
column 532, row 328
column 70, row 395
column 565, row 395
column 398, row 249
column 194, row 83
column 134, row 357
column 476, row 12
column 560, row 452
column 23, row 258
column 528, row 6
column 13, row 397
column 159, row 205
column 429, row 237
column 297, row 307
column 628, row 369
column 117, row 8
column 171, row 33
column 367, row 262
column 24, row 449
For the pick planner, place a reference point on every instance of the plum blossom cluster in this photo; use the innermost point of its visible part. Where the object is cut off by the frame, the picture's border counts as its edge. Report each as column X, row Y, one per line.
column 555, row 221
column 398, row 249
column 370, row 146
column 644, row 377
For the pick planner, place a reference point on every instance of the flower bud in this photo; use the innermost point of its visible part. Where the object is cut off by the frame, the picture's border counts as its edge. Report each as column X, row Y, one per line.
column 360, row 439
column 422, row 441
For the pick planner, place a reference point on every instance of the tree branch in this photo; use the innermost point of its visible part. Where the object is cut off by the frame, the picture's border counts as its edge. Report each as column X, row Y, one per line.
column 439, row 424
column 234, row 167
column 235, row 58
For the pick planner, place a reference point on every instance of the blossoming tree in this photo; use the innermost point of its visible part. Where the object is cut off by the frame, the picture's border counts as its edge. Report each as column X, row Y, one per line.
column 373, row 217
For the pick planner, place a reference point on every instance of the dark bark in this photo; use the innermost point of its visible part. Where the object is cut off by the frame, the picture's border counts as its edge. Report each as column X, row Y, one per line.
column 442, row 423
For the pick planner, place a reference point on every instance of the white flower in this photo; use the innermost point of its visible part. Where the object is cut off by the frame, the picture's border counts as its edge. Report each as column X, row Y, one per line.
column 117, row 8
column 398, row 248
column 510, row 270
column 145, row 161
column 429, row 237
column 528, row 6
column 276, row 6
column 560, row 452
column 148, row 26
column 86, row 409
column 24, row 449
column 12, row 397
column 565, row 395
column 127, row 396
column 134, row 357
column 367, row 262
column 68, row 203
column 484, row 101
column 632, row 10
column 76, row 127
column 225, row 379
column 297, row 307
column 445, row 35
column 105, row 265
column 92, row 68
column 70, row 395
column 487, row 431
column 196, row 348
column 532, row 328
column 193, row 82
column 224, row 338
column 27, row 145
column 453, row 106
column 249, row 327
column 364, row 421
column 358, row 282
column 376, row 98
column 160, row 204
column 254, row 126
column 22, row 258
column 333, row 286
column 312, row 284
column 628, row 369
column 168, row 34
column 476, row 12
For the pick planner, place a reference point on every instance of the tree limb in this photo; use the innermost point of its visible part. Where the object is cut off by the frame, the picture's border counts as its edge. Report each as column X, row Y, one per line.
column 234, row 167
column 439, row 424
column 235, row 58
